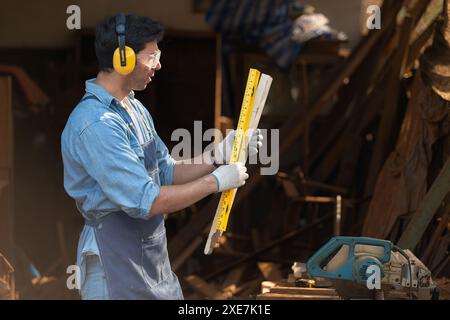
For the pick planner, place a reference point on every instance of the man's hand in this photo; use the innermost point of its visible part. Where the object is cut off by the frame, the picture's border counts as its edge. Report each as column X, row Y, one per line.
column 222, row 152
column 230, row 176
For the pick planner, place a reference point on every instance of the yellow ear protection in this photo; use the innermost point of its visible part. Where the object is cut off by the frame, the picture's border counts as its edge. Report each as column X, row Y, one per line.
column 124, row 58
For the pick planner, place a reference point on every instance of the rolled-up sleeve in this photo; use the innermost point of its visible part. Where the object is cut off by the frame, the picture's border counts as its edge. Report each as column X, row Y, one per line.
column 105, row 152
column 166, row 163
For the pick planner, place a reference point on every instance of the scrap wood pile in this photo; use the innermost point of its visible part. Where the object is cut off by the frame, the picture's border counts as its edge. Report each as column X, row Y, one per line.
column 444, row 288
column 7, row 290
column 381, row 142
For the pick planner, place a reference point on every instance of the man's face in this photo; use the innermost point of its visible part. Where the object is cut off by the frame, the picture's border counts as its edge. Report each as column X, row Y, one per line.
column 146, row 66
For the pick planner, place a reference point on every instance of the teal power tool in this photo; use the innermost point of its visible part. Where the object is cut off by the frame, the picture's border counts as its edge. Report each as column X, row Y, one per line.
column 354, row 266
column 345, row 261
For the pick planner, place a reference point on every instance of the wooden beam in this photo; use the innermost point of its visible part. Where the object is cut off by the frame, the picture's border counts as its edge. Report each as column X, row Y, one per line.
column 440, row 255
column 218, row 88
column 441, row 266
column 418, row 44
column 361, row 111
column 6, row 132
column 402, row 61
column 426, row 210
column 6, row 168
column 416, row 9
column 386, row 134
column 442, row 225
column 367, row 111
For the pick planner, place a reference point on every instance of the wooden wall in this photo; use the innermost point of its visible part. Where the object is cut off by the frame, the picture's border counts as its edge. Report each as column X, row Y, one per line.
column 6, row 168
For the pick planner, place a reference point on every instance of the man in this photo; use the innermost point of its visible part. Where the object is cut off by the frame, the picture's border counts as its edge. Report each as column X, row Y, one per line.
column 122, row 177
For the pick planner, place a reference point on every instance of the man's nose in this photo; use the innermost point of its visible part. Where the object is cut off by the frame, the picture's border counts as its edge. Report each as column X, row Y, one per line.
column 158, row 66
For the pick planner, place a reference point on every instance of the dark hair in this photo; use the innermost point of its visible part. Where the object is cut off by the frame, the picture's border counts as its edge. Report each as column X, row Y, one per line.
column 138, row 32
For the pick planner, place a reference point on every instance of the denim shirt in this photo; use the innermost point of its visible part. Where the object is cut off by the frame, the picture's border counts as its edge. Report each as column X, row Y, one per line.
column 103, row 172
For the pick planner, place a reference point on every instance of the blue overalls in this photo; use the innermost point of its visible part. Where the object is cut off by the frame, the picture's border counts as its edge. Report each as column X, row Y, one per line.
column 133, row 251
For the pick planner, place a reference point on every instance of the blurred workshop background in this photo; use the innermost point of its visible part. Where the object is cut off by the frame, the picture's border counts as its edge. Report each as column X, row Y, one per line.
column 364, row 119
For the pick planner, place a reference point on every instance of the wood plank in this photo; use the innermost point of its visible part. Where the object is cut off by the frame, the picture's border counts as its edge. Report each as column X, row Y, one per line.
column 418, row 44
column 442, row 265
column 445, row 218
column 304, row 291
column 416, row 9
column 6, row 132
column 6, row 168
column 386, row 134
column 5, row 290
column 7, row 282
column 426, row 210
column 369, row 219
column 357, row 96
column 440, row 254
column 366, row 111
column 387, row 130
column 285, row 296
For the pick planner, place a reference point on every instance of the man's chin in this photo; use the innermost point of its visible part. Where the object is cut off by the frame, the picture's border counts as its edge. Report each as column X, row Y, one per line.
column 141, row 87
column 146, row 83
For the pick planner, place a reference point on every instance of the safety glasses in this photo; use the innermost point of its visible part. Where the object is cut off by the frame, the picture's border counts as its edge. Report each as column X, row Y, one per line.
column 151, row 60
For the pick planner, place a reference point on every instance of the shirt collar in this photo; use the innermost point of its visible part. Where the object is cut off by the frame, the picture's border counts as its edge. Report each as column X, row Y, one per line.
column 101, row 93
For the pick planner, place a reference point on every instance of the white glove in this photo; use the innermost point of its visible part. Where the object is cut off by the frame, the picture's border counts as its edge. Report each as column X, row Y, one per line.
column 230, row 176
column 223, row 150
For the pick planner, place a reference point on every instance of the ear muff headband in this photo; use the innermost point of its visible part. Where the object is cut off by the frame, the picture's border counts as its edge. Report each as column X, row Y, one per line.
column 124, row 58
